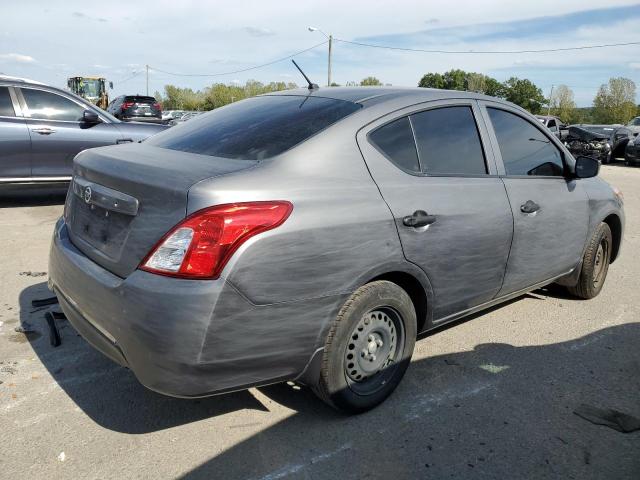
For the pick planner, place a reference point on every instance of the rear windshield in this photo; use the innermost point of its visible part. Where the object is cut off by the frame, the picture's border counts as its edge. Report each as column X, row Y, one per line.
column 140, row 99
column 256, row 128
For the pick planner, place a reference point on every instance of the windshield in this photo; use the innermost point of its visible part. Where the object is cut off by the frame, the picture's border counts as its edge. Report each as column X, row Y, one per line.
column 90, row 88
column 635, row 122
column 256, row 128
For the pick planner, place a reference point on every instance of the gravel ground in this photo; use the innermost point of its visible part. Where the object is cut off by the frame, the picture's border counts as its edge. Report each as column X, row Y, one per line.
column 492, row 397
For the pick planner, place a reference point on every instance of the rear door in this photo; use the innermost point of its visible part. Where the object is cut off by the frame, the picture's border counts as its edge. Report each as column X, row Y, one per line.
column 550, row 210
column 58, row 133
column 435, row 169
column 15, row 143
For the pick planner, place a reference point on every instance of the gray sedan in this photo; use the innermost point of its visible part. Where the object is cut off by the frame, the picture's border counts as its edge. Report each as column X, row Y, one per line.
column 310, row 235
column 43, row 128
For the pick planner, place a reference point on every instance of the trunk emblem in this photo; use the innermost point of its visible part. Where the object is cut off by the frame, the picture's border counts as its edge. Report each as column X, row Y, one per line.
column 87, row 194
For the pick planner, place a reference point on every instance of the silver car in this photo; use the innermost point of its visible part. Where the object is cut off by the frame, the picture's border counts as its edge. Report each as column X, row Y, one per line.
column 310, row 235
column 43, row 128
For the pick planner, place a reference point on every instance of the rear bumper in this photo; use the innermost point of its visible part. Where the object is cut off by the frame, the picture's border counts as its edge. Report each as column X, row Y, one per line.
column 185, row 338
column 632, row 155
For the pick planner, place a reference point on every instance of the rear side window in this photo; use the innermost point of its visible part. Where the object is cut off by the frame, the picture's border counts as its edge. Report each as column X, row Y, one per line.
column 50, row 106
column 6, row 106
column 395, row 140
column 448, row 142
column 525, row 149
column 256, row 128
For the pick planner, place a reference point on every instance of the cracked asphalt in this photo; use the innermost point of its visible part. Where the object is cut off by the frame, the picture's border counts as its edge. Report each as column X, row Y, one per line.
column 491, row 397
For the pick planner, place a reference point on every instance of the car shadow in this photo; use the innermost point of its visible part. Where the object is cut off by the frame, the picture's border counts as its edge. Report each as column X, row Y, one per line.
column 32, row 195
column 107, row 392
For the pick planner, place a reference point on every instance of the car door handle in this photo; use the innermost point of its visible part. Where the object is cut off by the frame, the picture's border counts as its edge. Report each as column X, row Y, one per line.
column 419, row 218
column 44, row 130
column 529, row 207
column 124, row 140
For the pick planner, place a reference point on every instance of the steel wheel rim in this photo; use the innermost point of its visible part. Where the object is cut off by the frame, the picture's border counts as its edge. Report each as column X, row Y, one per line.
column 600, row 263
column 375, row 345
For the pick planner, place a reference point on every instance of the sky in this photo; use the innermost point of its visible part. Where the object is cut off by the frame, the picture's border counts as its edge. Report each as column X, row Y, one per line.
column 51, row 40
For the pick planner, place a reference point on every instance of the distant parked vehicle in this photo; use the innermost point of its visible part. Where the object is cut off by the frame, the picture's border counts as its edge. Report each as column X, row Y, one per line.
column 136, row 108
column 632, row 152
column 42, row 128
column 186, row 116
column 554, row 124
column 169, row 115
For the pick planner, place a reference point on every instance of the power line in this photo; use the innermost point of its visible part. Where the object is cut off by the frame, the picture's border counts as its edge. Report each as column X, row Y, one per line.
column 542, row 50
column 128, row 78
column 237, row 71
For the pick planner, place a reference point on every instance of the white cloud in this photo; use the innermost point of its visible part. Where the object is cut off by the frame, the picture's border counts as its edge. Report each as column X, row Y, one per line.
column 634, row 65
column 16, row 57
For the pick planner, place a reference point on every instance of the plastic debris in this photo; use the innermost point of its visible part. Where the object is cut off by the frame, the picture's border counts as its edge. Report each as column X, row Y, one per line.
column 54, row 333
column 29, row 273
column 62, row 457
column 41, row 302
column 24, row 327
column 609, row 418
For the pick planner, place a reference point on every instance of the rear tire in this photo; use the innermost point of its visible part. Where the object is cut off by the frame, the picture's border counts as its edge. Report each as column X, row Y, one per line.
column 368, row 348
column 595, row 264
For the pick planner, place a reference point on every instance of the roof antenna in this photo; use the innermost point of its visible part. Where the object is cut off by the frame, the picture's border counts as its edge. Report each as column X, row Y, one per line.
column 312, row 86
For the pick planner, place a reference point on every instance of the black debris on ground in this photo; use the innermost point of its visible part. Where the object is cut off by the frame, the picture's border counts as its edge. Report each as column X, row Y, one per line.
column 42, row 302
column 29, row 273
column 609, row 418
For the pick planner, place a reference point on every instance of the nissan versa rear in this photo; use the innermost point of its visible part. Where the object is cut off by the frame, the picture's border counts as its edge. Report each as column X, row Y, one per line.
column 310, row 235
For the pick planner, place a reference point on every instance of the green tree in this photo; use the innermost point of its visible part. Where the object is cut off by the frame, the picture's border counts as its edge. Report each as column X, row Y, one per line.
column 562, row 104
column 457, row 79
column 432, row 80
column 370, row 82
column 615, row 101
column 525, row 93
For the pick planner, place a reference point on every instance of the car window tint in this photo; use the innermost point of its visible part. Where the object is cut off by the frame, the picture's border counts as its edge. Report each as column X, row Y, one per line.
column 448, row 142
column 396, row 141
column 256, row 128
column 49, row 106
column 6, row 107
column 525, row 149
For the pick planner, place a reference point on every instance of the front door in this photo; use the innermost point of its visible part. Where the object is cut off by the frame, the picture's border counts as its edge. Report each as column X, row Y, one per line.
column 58, row 133
column 451, row 210
column 550, row 209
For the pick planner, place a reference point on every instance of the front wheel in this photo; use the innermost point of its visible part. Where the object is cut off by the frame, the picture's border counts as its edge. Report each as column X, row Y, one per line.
column 368, row 348
column 595, row 264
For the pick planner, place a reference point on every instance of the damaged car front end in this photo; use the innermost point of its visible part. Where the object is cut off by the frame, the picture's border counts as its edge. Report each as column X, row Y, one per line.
column 590, row 141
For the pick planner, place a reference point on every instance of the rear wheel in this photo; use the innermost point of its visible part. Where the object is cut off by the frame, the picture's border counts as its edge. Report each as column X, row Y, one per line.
column 595, row 264
column 368, row 348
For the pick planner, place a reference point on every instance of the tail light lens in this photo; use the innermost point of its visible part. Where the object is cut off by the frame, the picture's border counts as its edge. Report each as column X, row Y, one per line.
column 126, row 105
column 157, row 106
column 201, row 245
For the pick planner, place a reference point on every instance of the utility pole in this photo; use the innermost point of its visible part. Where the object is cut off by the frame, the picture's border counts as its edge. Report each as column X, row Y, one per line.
column 330, row 38
column 147, row 79
column 550, row 96
column 329, row 73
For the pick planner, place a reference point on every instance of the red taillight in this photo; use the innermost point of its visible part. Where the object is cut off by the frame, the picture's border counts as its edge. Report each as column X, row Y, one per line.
column 201, row 245
column 157, row 106
column 126, row 105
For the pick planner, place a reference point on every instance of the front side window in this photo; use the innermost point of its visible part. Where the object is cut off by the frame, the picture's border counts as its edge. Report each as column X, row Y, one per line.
column 395, row 141
column 256, row 128
column 50, row 106
column 6, row 106
column 448, row 142
column 525, row 149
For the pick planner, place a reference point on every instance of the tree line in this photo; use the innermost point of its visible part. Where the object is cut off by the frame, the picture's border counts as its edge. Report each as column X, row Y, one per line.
column 613, row 103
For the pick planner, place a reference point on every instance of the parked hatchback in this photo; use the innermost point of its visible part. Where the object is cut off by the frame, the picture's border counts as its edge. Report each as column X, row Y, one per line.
column 311, row 235
column 137, row 108
column 43, row 128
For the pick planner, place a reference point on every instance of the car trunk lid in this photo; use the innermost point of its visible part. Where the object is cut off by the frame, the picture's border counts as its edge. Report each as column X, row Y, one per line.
column 123, row 199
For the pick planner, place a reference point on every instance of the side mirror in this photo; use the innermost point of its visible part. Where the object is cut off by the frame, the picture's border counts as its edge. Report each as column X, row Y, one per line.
column 111, row 85
column 586, row 167
column 90, row 117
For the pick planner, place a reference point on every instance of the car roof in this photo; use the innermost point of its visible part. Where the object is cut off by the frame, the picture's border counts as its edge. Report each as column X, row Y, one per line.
column 10, row 79
column 367, row 96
